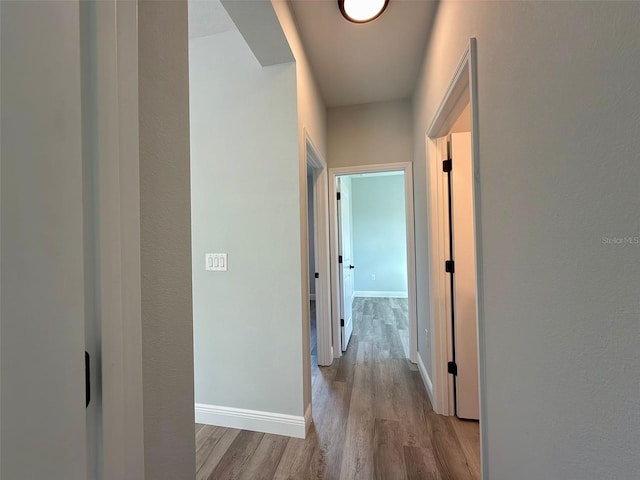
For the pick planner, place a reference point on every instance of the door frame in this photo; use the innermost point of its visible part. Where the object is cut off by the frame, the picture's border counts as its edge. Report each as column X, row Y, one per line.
column 462, row 91
column 118, row 234
column 321, row 244
column 407, row 169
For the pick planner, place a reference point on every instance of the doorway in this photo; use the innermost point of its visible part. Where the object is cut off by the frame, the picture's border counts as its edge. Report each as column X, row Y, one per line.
column 460, row 270
column 313, row 332
column 373, row 252
column 318, row 297
column 457, row 323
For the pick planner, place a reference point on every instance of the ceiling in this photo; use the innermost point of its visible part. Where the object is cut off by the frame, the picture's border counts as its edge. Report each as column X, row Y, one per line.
column 364, row 63
column 353, row 63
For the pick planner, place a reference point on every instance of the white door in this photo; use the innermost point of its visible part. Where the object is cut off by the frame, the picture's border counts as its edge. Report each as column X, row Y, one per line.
column 464, row 278
column 42, row 277
column 345, row 243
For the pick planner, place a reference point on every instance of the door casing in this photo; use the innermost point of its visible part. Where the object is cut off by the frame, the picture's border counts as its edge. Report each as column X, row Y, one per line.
column 321, row 242
column 118, row 235
column 462, row 91
column 407, row 168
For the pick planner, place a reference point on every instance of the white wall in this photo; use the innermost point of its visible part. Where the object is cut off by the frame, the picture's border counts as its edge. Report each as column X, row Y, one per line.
column 371, row 133
column 379, row 234
column 559, row 169
column 312, row 122
column 312, row 112
column 245, row 202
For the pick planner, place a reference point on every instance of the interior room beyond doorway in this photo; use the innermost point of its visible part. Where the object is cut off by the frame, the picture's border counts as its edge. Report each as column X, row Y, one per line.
column 372, row 244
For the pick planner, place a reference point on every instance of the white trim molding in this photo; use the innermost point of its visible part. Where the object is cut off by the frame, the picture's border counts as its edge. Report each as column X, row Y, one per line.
column 426, row 379
column 308, row 419
column 407, row 169
column 462, row 91
column 254, row 420
column 322, row 294
column 380, row 294
column 118, row 218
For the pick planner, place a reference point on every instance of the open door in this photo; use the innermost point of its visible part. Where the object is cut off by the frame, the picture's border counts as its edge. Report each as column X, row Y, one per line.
column 43, row 278
column 345, row 246
column 465, row 333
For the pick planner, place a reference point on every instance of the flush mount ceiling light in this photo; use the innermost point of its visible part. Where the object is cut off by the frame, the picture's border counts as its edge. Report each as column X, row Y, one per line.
column 362, row 11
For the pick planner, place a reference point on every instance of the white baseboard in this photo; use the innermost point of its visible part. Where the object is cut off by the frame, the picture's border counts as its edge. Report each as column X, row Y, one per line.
column 376, row 294
column 312, row 296
column 254, row 420
column 426, row 379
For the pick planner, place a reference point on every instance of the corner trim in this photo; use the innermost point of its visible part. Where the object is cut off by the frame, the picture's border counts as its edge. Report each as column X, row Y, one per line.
column 425, row 378
column 254, row 420
column 308, row 419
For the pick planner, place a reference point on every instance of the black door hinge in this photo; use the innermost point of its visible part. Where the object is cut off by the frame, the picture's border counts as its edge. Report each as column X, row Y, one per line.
column 339, row 258
column 449, row 266
column 452, row 368
column 87, row 378
column 342, row 322
column 447, row 165
column 317, row 275
column 338, row 195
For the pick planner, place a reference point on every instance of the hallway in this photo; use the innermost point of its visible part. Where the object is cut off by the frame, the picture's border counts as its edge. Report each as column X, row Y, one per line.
column 372, row 420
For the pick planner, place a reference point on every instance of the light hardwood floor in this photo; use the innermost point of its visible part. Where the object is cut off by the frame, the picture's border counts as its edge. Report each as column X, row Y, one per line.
column 372, row 420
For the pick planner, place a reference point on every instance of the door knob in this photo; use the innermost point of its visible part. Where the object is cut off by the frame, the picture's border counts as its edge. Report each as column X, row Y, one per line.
column 351, row 267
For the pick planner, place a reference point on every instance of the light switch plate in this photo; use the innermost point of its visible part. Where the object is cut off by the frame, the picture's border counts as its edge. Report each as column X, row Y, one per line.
column 216, row 262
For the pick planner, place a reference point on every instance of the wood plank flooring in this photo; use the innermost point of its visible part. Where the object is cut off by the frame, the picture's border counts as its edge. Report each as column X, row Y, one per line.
column 372, row 420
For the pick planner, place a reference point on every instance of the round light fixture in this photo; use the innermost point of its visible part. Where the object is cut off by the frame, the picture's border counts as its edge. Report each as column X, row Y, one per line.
column 362, row 11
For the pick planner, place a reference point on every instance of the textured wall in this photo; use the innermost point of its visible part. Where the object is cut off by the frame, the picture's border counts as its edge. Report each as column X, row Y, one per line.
column 165, row 235
column 559, row 176
column 371, row 133
column 245, row 188
column 312, row 122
